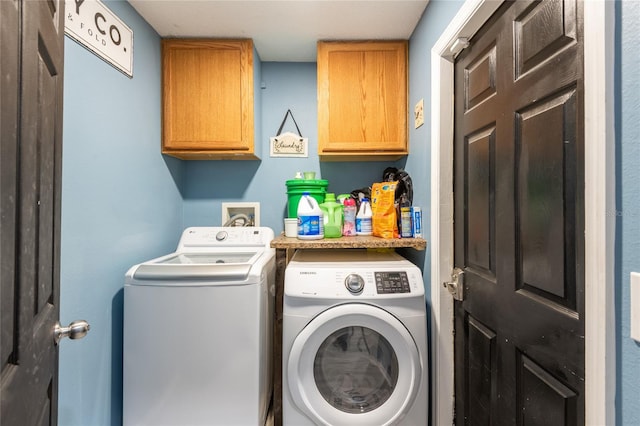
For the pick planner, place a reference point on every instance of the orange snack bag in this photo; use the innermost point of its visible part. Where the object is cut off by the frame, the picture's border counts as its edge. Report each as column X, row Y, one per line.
column 384, row 221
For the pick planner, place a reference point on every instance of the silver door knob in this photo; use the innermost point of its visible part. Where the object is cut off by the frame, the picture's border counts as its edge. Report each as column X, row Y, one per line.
column 75, row 330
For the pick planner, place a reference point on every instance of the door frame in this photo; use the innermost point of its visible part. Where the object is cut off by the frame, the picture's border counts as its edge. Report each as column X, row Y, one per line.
column 600, row 214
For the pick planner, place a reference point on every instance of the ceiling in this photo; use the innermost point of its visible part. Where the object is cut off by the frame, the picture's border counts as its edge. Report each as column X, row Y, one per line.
column 285, row 30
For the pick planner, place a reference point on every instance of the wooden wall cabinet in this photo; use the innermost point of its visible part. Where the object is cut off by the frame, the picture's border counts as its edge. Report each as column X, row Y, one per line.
column 208, row 99
column 362, row 100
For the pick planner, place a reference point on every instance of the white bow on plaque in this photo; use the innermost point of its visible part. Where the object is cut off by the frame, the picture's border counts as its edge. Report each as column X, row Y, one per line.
column 288, row 144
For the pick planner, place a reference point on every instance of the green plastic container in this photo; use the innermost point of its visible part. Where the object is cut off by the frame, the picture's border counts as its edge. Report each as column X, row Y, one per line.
column 317, row 188
column 332, row 216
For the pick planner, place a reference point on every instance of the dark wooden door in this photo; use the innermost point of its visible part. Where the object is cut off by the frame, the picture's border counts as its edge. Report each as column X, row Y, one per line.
column 519, row 218
column 31, row 48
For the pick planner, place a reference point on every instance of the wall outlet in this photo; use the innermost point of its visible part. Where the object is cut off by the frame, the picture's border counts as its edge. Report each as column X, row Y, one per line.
column 418, row 113
column 245, row 212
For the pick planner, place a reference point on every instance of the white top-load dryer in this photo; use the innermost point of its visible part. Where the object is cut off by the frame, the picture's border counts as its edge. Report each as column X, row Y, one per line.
column 197, row 331
column 354, row 344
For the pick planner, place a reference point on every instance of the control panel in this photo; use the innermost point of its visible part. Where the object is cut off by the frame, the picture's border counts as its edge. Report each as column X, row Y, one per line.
column 392, row 282
column 388, row 282
column 352, row 274
column 225, row 237
column 357, row 282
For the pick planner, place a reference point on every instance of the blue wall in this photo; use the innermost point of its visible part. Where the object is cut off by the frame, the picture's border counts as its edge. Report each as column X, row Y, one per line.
column 628, row 205
column 294, row 86
column 435, row 19
column 123, row 202
column 209, row 183
column 120, row 205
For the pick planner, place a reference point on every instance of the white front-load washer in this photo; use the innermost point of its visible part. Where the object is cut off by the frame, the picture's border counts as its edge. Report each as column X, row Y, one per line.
column 354, row 343
column 197, row 346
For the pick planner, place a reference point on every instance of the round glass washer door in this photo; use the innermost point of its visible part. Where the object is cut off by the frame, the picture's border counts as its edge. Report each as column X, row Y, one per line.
column 354, row 364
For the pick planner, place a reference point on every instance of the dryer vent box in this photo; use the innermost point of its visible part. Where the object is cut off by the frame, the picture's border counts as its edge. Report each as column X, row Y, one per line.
column 243, row 212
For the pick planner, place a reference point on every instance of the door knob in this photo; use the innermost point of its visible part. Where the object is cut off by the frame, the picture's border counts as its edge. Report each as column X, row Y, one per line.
column 75, row 330
column 456, row 285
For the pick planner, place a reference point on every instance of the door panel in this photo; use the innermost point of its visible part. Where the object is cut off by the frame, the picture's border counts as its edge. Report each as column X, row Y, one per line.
column 518, row 218
column 31, row 178
column 543, row 30
column 546, row 172
column 480, row 201
column 542, row 399
column 481, row 78
column 481, row 371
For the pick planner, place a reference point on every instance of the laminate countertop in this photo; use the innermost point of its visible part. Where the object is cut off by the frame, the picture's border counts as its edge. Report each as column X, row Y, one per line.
column 282, row 242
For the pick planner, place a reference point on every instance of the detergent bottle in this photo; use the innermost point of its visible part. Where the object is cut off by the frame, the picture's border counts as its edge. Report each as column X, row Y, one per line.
column 349, row 218
column 310, row 219
column 405, row 217
column 332, row 211
column 364, row 225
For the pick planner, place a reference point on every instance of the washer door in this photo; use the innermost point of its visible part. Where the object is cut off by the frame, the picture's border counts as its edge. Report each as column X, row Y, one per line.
column 354, row 364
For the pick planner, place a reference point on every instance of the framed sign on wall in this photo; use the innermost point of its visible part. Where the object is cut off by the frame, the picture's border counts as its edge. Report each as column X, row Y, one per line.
column 95, row 27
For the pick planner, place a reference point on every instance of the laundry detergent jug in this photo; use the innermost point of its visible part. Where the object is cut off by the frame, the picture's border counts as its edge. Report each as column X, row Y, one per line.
column 332, row 211
column 310, row 219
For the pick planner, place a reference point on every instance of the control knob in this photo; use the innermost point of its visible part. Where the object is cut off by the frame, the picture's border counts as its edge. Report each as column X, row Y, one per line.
column 354, row 283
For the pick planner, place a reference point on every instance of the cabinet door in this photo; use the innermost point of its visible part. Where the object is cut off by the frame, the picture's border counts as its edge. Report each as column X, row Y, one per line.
column 362, row 100
column 208, row 98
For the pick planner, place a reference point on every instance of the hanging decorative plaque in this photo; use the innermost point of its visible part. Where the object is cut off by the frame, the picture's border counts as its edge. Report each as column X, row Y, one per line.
column 288, row 144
